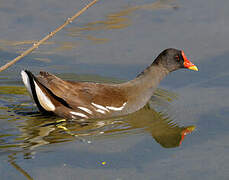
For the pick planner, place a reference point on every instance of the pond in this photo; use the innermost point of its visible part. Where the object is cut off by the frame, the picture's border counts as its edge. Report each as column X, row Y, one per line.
column 182, row 133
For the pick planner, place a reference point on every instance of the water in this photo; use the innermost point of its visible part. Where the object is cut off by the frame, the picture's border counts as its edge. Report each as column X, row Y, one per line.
column 112, row 42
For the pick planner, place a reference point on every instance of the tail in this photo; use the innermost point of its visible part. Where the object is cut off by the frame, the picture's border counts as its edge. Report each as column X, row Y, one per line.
column 38, row 92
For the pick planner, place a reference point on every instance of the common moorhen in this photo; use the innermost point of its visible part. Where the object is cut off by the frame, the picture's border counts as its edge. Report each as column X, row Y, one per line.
column 84, row 100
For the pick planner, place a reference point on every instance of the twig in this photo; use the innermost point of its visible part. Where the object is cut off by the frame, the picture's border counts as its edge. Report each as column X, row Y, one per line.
column 17, row 167
column 51, row 34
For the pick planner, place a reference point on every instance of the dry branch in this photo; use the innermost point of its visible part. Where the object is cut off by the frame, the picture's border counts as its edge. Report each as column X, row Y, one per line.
column 51, row 34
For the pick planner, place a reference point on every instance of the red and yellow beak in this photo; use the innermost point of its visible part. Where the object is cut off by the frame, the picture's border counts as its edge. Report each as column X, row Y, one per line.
column 188, row 64
column 186, row 131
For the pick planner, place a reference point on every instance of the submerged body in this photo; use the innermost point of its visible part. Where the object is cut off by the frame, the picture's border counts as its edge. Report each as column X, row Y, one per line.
column 86, row 100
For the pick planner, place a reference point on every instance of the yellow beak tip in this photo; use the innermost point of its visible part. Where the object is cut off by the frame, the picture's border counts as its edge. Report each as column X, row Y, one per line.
column 194, row 68
column 191, row 128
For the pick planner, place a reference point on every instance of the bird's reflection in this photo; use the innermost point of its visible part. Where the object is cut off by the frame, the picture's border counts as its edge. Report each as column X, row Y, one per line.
column 41, row 132
column 38, row 130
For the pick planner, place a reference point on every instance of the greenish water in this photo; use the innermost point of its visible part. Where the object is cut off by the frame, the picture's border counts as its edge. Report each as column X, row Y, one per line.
column 112, row 42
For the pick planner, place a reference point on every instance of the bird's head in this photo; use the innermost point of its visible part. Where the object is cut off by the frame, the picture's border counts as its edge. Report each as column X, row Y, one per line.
column 173, row 59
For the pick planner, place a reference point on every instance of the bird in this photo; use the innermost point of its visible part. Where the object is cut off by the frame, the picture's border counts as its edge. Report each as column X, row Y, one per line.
column 90, row 100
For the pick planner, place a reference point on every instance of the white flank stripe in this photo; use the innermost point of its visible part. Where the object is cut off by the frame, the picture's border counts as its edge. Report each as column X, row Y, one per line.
column 43, row 99
column 85, row 109
column 100, row 123
column 100, row 107
column 100, row 111
column 116, row 108
column 25, row 79
column 79, row 114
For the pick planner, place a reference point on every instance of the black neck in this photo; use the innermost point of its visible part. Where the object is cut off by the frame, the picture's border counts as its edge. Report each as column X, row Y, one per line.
column 140, row 89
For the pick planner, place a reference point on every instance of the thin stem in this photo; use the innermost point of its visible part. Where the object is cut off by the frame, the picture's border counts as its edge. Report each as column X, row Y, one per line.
column 51, row 34
column 18, row 168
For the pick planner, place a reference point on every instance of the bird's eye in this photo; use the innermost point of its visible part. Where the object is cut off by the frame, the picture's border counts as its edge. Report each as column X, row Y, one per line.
column 177, row 58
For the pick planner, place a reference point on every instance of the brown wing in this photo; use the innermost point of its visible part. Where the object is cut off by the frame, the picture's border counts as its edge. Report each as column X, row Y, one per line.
column 83, row 93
